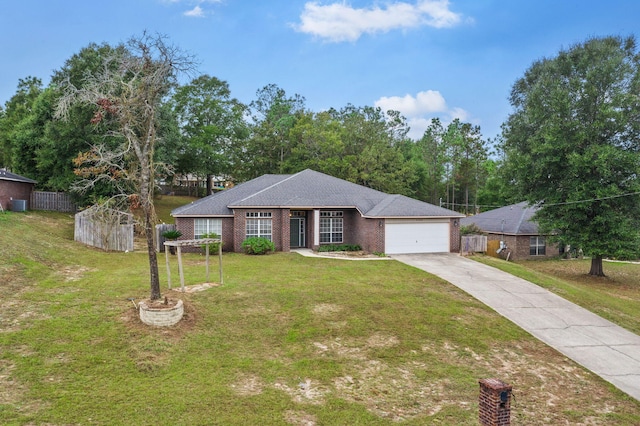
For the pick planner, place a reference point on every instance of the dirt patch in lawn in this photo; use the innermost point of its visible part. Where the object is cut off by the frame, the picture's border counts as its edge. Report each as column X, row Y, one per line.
column 74, row 273
column 299, row 418
column 12, row 392
column 248, row 385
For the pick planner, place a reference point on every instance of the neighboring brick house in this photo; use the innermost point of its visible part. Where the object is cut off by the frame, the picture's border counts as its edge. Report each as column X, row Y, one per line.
column 309, row 209
column 14, row 188
column 514, row 226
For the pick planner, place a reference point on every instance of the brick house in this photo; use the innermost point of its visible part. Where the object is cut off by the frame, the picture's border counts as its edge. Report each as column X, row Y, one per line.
column 515, row 227
column 309, row 209
column 14, row 188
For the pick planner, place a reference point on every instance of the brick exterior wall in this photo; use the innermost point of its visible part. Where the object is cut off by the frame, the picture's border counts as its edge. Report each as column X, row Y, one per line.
column 16, row 190
column 518, row 246
column 186, row 224
column 368, row 233
column 279, row 232
column 454, row 236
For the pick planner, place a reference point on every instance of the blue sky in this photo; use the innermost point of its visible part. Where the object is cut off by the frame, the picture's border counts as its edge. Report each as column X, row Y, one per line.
column 425, row 58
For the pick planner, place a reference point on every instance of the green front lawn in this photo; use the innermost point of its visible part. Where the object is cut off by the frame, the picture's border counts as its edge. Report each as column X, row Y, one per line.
column 287, row 340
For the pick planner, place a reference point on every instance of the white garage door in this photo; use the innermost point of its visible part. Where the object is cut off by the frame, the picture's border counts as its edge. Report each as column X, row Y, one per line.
column 416, row 236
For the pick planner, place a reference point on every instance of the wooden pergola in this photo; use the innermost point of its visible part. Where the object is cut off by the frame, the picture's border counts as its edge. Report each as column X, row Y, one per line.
column 192, row 243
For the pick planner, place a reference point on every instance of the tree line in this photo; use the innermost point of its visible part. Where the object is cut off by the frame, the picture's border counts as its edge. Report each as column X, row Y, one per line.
column 571, row 145
column 204, row 131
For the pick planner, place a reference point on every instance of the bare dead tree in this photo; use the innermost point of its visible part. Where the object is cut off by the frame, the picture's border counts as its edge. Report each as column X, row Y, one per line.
column 127, row 93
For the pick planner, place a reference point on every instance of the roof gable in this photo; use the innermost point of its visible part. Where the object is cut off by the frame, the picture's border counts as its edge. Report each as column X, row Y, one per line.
column 311, row 189
column 516, row 219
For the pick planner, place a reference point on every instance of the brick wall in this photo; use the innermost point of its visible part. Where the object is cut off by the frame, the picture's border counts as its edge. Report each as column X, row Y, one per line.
column 279, row 235
column 454, row 236
column 494, row 403
column 518, row 246
column 185, row 225
column 16, row 190
column 369, row 233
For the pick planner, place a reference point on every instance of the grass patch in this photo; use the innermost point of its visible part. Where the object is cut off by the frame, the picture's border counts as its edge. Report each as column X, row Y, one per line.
column 287, row 340
column 165, row 203
column 615, row 297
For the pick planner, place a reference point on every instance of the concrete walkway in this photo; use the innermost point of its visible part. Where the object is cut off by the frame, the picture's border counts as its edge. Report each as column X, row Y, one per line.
column 606, row 349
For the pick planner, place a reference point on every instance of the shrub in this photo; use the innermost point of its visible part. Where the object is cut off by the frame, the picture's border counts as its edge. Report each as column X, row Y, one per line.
column 213, row 247
column 258, row 245
column 471, row 229
column 339, row 247
column 172, row 234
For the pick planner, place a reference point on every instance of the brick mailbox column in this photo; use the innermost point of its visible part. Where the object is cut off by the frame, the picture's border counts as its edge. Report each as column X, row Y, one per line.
column 495, row 403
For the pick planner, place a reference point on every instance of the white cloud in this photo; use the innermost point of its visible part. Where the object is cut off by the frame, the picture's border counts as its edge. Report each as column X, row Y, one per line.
column 420, row 109
column 339, row 22
column 424, row 102
column 196, row 12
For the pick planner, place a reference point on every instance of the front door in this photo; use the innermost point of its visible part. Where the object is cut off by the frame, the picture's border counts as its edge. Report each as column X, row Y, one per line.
column 297, row 231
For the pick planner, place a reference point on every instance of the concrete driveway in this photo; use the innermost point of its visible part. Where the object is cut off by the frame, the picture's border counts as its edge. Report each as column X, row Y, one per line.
column 606, row 349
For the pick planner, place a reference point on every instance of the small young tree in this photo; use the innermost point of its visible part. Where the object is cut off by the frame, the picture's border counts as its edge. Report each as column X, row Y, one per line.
column 128, row 90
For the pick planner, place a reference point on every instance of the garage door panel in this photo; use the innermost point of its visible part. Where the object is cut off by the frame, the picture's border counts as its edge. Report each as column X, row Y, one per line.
column 416, row 237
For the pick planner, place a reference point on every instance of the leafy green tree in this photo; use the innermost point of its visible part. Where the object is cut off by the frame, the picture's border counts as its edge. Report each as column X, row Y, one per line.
column 16, row 150
column 572, row 145
column 64, row 139
column 493, row 193
column 449, row 161
column 36, row 145
column 212, row 126
column 317, row 144
column 273, row 115
column 466, row 151
column 429, row 154
column 373, row 153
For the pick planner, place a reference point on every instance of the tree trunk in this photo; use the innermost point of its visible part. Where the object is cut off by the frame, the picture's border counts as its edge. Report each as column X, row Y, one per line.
column 153, row 259
column 146, row 198
column 209, row 188
column 596, row 267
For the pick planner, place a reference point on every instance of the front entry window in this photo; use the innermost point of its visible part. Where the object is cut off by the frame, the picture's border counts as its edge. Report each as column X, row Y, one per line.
column 258, row 224
column 331, row 227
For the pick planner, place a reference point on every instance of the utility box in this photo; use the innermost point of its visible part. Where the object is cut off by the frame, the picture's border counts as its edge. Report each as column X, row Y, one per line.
column 18, row 205
column 495, row 403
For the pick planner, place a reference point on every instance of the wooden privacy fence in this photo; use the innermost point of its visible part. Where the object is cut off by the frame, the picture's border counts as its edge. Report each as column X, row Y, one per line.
column 473, row 244
column 53, row 201
column 105, row 228
column 160, row 229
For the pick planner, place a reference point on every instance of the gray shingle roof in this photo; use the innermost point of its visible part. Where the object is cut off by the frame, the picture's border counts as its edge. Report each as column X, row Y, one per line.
column 515, row 219
column 5, row 175
column 310, row 189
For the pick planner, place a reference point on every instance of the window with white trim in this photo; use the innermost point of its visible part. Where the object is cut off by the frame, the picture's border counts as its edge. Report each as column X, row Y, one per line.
column 331, row 227
column 258, row 224
column 537, row 246
column 202, row 227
